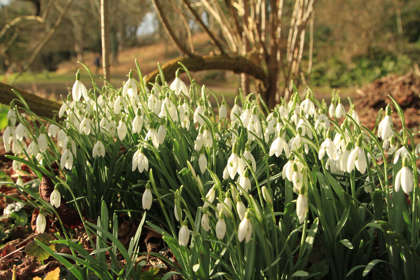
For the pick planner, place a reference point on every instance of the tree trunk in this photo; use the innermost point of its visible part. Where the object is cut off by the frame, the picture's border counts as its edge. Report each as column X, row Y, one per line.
column 105, row 39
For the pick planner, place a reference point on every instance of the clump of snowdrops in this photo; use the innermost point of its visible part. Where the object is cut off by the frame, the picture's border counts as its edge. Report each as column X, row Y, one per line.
column 241, row 192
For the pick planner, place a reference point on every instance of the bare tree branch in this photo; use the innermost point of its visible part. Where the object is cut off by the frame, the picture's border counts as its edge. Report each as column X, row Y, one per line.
column 205, row 28
column 17, row 21
column 169, row 30
column 40, row 106
column 47, row 37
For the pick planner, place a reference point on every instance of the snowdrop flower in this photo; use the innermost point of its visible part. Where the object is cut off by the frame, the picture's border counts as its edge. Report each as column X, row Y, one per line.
column 21, row 132
column 161, row 133
column 357, row 158
column 66, row 160
column 178, row 86
column 322, row 122
column 278, row 146
column 139, row 162
column 18, row 147
column 85, row 126
column 55, row 198
column 245, row 117
column 401, row 152
column 211, row 194
column 307, row 107
column 329, row 148
column 295, row 143
column 137, row 124
column 147, row 199
column 232, row 165
column 301, row 207
column 53, row 130
column 235, row 113
column 343, row 161
column 240, row 209
column 130, row 87
column 11, row 117
column 220, row 228
column 303, row 128
column 154, row 104
column 183, row 235
column 245, row 230
column 245, row 183
column 331, row 110
column 78, row 90
column 33, row 149
column 41, row 223
column 385, row 128
column 205, row 222
column 198, row 113
column 121, row 130
column 340, row 111
column 405, row 180
column 42, row 142
column 247, row 155
column 8, row 137
column 207, row 139
column 63, row 110
column 202, row 163
column 98, row 150
column 222, row 111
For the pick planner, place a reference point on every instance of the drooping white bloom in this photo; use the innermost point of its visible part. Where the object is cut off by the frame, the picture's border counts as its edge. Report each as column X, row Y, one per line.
column 147, row 199
column 211, row 194
column 245, row 117
column 198, row 113
column 20, row 132
column 205, row 222
column 66, row 159
column 247, row 155
column 78, row 90
column 53, row 130
column 328, row 147
column 220, row 228
column 240, row 209
column 207, row 139
column 301, row 207
column 385, row 128
column 154, row 104
column 121, row 130
column 232, row 165
column 33, row 149
column 303, row 129
column 307, row 107
column 202, row 163
column 357, row 158
column 245, row 183
column 178, row 86
column 161, row 134
column 278, row 146
column 405, row 180
column 42, row 142
column 183, row 236
column 130, row 88
column 140, row 162
column 331, row 110
column 222, row 111
column 41, row 223
column 340, row 111
column 245, row 230
column 176, row 213
column 8, row 137
column 344, row 160
column 401, row 152
column 85, row 126
column 137, row 124
column 235, row 113
column 55, row 198
column 63, row 110
column 98, row 150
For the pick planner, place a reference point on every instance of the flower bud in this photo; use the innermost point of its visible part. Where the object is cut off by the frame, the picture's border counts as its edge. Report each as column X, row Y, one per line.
column 147, row 199
column 245, row 230
column 55, row 198
column 266, row 195
column 205, row 223
column 302, row 207
column 98, row 150
column 202, row 163
column 220, row 228
column 121, row 130
column 41, row 223
column 183, row 236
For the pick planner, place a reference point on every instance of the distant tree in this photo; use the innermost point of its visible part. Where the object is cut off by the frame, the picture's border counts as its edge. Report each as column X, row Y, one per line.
column 262, row 39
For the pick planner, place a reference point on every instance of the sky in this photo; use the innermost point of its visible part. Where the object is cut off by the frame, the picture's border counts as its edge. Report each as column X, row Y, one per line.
column 4, row 2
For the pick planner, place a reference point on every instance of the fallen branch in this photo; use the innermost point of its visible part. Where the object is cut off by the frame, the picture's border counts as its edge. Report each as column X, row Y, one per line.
column 236, row 64
column 40, row 106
